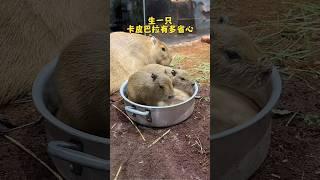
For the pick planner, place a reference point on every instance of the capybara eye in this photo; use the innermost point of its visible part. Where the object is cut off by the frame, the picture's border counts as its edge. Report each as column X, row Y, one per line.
column 173, row 72
column 232, row 55
column 182, row 79
column 161, row 86
column 163, row 49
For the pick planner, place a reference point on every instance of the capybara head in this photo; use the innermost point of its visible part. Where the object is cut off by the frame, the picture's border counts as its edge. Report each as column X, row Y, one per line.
column 149, row 88
column 163, row 86
column 160, row 52
column 234, row 44
column 80, row 82
column 181, row 80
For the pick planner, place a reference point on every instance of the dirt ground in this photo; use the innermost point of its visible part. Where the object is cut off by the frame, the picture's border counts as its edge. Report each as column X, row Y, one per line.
column 295, row 146
column 181, row 154
column 16, row 164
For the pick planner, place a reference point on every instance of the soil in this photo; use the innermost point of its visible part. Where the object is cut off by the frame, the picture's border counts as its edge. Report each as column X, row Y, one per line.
column 14, row 162
column 183, row 153
column 295, row 146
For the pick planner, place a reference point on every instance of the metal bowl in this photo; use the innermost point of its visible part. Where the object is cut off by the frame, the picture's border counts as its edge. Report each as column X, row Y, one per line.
column 238, row 152
column 156, row 116
column 76, row 154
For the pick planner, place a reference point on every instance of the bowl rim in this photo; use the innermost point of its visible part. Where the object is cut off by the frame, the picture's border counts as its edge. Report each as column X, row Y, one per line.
column 274, row 97
column 38, row 100
column 125, row 83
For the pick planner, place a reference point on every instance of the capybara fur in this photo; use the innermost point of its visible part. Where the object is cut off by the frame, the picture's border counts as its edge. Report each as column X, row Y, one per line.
column 130, row 52
column 179, row 96
column 230, row 109
column 183, row 81
column 32, row 32
column 238, row 93
column 180, row 78
column 234, row 43
column 149, row 88
column 237, row 61
column 239, row 80
column 80, row 79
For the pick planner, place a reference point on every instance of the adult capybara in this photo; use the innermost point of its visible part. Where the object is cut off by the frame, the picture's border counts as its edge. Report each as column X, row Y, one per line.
column 32, row 32
column 80, row 79
column 130, row 52
column 149, row 88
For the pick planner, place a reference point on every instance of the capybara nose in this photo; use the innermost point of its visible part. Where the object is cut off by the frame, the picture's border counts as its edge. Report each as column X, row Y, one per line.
column 170, row 97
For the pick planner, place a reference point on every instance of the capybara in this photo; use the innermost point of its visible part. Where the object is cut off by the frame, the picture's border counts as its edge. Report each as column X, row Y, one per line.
column 238, row 92
column 80, row 79
column 130, row 52
column 239, row 81
column 149, row 88
column 180, row 78
column 32, row 32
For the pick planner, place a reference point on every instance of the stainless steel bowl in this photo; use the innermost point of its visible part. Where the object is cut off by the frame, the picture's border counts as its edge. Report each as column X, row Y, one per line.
column 156, row 116
column 76, row 154
column 238, row 152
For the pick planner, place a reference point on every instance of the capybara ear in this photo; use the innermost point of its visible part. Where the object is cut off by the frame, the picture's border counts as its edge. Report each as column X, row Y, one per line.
column 154, row 40
column 173, row 72
column 154, row 77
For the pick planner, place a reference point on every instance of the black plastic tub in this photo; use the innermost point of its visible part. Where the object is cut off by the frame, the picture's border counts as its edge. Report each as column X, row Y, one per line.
column 238, row 152
column 76, row 154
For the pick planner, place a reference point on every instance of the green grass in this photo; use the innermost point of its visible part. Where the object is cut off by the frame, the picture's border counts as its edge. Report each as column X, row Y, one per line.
column 201, row 73
column 177, row 60
column 293, row 39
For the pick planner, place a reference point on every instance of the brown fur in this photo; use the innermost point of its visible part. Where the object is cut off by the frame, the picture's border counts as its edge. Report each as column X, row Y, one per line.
column 180, row 78
column 239, row 79
column 237, row 61
column 238, row 93
column 232, row 41
column 148, row 88
column 179, row 96
column 33, row 32
column 80, row 81
column 130, row 52
column 183, row 81
column 230, row 109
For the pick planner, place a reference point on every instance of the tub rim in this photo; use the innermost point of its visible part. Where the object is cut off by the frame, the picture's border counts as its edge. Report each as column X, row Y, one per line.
column 38, row 100
column 272, row 101
column 125, row 83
